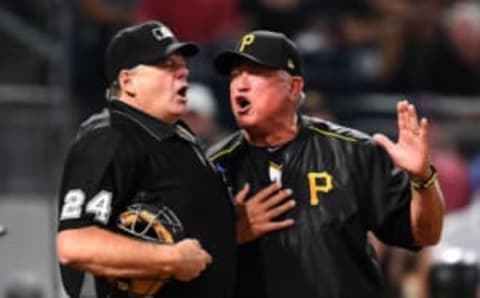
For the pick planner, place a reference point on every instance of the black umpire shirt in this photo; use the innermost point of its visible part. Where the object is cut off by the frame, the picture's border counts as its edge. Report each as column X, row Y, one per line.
column 344, row 185
column 123, row 156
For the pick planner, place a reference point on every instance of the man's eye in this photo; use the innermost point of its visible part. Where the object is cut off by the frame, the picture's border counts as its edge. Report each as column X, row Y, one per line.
column 234, row 74
column 172, row 65
column 168, row 64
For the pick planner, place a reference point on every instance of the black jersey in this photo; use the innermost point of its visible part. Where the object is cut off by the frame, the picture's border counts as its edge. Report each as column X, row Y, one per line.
column 344, row 185
column 124, row 156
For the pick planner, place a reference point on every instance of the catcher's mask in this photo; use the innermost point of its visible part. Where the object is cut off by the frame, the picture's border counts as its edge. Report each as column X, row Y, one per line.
column 150, row 223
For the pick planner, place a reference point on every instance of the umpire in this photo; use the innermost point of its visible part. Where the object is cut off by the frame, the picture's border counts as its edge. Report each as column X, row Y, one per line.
column 137, row 155
column 306, row 234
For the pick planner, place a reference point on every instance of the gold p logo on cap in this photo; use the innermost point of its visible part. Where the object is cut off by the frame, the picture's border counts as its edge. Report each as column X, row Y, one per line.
column 246, row 41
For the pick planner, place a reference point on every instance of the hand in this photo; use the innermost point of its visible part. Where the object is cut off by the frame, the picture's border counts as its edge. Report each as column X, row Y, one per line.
column 192, row 260
column 255, row 215
column 411, row 151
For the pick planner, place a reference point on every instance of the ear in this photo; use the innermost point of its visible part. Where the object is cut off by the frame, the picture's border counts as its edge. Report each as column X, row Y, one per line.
column 127, row 83
column 296, row 87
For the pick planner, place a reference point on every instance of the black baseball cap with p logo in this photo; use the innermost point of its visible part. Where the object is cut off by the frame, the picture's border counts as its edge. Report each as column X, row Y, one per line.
column 266, row 48
column 145, row 43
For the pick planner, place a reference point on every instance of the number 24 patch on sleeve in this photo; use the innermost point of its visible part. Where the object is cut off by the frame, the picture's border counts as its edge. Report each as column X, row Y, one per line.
column 74, row 205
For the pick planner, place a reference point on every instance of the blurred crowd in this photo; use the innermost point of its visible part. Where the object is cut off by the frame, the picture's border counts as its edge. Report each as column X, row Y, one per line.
column 419, row 48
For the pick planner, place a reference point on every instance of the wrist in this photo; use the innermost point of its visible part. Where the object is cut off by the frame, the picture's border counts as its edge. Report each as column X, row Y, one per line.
column 423, row 175
column 167, row 259
column 426, row 180
column 243, row 236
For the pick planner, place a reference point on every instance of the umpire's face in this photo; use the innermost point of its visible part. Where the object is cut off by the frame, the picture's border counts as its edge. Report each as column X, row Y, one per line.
column 159, row 89
column 261, row 96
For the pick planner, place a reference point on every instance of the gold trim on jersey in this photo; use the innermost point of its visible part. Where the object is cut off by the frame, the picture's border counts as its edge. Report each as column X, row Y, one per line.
column 333, row 134
column 225, row 151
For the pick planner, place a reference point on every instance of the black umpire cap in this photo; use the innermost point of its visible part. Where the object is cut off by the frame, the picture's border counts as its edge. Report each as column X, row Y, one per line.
column 145, row 43
column 266, row 48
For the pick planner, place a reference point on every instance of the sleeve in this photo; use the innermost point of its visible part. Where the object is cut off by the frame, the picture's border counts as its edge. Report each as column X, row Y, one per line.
column 388, row 211
column 95, row 182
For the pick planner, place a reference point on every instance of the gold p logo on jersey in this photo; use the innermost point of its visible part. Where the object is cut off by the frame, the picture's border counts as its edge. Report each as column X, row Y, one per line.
column 246, row 41
column 324, row 184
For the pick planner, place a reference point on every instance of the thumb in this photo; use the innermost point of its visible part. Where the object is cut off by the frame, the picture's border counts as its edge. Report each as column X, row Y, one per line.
column 384, row 141
column 242, row 194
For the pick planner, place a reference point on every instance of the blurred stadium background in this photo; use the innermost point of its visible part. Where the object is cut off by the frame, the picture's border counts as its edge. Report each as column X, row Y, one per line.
column 361, row 56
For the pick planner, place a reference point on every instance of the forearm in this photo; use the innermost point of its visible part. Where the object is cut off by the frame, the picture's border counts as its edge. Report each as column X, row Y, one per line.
column 427, row 211
column 105, row 253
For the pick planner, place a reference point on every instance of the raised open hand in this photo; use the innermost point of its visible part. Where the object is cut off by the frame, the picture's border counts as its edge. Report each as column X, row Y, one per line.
column 411, row 152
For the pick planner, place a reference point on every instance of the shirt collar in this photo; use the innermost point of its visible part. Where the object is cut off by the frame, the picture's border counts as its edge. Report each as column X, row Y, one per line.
column 157, row 128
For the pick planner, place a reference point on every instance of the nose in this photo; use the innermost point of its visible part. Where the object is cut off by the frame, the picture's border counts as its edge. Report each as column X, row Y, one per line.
column 182, row 72
column 241, row 82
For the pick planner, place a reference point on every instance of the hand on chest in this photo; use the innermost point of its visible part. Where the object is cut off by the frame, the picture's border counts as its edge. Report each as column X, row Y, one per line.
column 310, row 179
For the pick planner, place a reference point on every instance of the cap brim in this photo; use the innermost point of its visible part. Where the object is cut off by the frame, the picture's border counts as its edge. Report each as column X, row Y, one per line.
column 187, row 49
column 228, row 60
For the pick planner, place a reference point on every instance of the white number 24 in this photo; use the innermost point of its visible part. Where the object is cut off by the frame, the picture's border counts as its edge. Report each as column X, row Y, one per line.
column 99, row 205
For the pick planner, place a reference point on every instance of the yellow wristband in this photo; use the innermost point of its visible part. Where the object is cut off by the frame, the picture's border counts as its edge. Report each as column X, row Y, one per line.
column 420, row 184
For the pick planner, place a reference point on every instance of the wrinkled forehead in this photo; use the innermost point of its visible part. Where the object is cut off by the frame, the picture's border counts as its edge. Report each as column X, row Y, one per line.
column 172, row 62
column 255, row 68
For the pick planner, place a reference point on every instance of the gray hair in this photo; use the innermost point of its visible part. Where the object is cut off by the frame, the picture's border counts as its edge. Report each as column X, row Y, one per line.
column 301, row 99
column 301, row 96
column 113, row 91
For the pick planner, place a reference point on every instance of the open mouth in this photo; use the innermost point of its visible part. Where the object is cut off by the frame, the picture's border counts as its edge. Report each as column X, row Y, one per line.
column 182, row 91
column 243, row 103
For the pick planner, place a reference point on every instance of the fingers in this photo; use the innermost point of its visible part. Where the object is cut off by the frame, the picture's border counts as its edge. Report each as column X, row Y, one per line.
column 401, row 115
column 263, row 194
column 278, row 225
column 384, row 141
column 193, row 259
column 279, row 210
column 410, row 151
column 265, row 203
column 193, row 248
column 425, row 128
column 242, row 194
column 202, row 254
column 413, row 123
column 408, row 120
column 280, row 196
column 257, row 215
column 266, row 192
column 271, row 208
column 407, row 116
